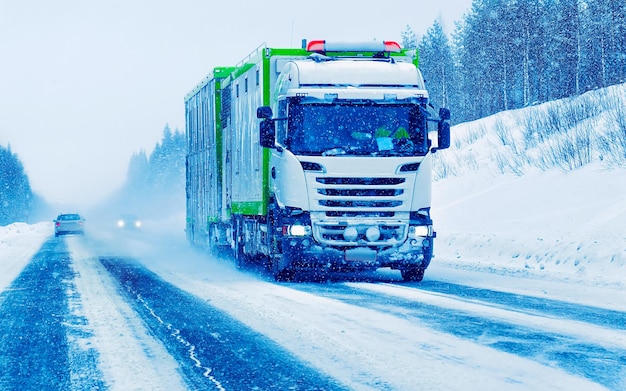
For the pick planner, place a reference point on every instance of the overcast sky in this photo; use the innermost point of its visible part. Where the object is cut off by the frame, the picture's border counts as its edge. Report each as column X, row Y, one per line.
column 85, row 84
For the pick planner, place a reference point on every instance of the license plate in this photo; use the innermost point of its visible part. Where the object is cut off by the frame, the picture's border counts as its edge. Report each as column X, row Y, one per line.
column 360, row 254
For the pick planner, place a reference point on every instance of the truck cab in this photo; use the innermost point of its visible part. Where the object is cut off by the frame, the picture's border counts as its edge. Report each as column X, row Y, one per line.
column 350, row 167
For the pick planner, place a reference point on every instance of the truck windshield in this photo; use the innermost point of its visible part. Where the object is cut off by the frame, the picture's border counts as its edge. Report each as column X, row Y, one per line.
column 323, row 129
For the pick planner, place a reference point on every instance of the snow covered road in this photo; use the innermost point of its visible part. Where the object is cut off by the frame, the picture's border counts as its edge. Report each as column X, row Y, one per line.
column 127, row 313
column 39, row 332
column 376, row 335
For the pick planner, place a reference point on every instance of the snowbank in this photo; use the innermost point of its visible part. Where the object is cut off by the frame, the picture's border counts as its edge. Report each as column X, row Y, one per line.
column 18, row 243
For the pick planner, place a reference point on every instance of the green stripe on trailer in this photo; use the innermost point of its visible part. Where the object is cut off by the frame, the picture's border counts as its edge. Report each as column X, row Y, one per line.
column 219, row 74
column 241, row 70
column 269, row 52
column 266, row 151
column 248, row 208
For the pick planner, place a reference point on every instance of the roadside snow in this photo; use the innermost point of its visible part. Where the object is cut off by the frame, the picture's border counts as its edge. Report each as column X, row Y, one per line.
column 18, row 243
column 563, row 225
column 130, row 358
column 564, row 233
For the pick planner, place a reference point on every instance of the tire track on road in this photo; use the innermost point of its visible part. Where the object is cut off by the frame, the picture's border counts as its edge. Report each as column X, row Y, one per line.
column 214, row 350
column 530, row 304
column 38, row 348
column 461, row 316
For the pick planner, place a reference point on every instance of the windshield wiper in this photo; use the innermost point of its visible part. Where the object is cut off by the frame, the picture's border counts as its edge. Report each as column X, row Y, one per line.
column 334, row 151
column 391, row 152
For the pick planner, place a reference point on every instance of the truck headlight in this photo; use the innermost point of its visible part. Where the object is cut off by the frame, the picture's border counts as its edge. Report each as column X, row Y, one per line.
column 297, row 230
column 420, row 230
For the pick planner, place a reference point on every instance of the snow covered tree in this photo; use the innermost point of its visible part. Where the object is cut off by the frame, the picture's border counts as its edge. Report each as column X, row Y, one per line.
column 167, row 161
column 138, row 172
column 409, row 39
column 16, row 197
column 604, row 42
column 476, row 64
column 438, row 65
column 563, row 49
column 508, row 54
column 156, row 183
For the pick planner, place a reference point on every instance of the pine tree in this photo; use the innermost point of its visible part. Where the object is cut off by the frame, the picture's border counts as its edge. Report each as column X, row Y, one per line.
column 156, row 183
column 409, row 39
column 562, row 71
column 508, row 54
column 603, row 44
column 138, row 172
column 167, row 161
column 438, row 65
column 16, row 197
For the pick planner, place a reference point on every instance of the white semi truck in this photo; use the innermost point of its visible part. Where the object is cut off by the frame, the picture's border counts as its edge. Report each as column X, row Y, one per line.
column 315, row 160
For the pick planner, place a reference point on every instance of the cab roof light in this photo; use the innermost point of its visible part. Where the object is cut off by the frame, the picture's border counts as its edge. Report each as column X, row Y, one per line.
column 392, row 47
column 316, row 46
column 321, row 46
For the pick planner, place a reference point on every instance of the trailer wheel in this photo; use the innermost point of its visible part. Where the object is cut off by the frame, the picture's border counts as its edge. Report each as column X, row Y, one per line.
column 413, row 274
column 212, row 236
column 240, row 255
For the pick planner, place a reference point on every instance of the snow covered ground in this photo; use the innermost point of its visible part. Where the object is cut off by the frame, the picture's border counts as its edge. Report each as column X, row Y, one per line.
column 495, row 210
column 551, row 234
column 554, row 225
column 18, row 243
column 569, row 248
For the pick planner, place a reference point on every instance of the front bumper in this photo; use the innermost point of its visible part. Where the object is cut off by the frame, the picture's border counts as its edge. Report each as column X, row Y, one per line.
column 304, row 253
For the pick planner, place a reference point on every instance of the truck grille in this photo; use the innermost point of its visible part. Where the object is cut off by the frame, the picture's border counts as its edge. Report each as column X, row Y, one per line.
column 351, row 197
column 360, row 181
column 366, row 202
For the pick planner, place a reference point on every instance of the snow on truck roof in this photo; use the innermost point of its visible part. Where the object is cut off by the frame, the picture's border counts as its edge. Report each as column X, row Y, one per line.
column 388, row 52
column 357, row 73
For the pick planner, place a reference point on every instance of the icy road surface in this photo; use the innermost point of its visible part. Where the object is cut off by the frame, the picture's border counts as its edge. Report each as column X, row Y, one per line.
column 83, row 316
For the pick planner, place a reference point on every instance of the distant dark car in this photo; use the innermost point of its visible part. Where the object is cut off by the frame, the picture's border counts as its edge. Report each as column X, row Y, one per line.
column 69, row 223
column 129, row 221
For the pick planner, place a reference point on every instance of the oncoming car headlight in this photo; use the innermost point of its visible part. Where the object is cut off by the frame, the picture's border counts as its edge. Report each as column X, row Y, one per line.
column 420, row 231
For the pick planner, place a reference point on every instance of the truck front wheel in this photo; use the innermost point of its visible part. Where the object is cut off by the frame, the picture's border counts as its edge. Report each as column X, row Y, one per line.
column 279, row 268
column 284, row 274
column 413, row 274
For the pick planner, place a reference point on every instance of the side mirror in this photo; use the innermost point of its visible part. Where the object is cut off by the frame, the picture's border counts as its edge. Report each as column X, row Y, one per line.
column 267, row 133
column 444, row 114
column 443, row 138
column 264, row 112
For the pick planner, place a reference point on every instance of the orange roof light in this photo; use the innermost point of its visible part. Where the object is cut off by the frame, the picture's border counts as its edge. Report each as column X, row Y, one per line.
column 316, row 46
column 392, row 46
column 321, row 45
